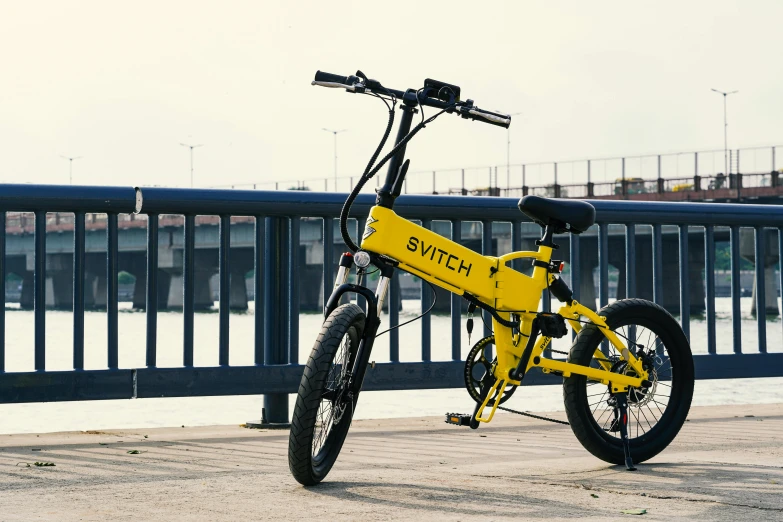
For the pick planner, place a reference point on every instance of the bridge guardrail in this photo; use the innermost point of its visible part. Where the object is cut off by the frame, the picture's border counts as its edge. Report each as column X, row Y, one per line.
column 277, row 217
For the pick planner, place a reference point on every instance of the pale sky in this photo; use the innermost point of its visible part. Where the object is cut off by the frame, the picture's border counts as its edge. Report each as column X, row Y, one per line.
column 123, row 83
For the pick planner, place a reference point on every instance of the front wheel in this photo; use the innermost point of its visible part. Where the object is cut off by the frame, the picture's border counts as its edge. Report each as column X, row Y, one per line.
column 657, row 413
column 324, row 407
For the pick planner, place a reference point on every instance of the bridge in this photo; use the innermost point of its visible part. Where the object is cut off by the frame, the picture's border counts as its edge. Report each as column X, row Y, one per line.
column 273, row 223
column 749, row 174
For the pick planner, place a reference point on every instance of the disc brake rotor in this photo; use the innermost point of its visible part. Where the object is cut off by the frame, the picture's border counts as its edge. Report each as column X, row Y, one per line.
column 477, row 366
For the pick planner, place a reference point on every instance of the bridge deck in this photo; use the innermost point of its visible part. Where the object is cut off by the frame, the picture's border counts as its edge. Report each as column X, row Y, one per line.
column 723, row 466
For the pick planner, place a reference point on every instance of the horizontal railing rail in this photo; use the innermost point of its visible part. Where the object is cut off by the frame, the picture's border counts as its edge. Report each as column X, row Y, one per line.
column 681, row 237
column 508, row 180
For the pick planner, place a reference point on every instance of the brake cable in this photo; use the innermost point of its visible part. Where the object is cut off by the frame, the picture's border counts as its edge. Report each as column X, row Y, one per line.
column 367, row 176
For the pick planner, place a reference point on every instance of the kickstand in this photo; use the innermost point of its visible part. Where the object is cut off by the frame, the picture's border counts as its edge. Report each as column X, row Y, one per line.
column 486, row 385
column 621, row 419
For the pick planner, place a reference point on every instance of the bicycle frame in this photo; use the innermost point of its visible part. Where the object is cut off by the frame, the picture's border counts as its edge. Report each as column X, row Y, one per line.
column 460, row 270
column 489, row 279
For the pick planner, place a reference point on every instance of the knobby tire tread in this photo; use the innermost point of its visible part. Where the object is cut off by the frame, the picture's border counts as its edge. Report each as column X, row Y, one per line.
column 333, row 331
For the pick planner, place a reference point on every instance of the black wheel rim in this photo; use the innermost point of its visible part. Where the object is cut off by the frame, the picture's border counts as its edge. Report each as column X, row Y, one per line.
column 649, row 409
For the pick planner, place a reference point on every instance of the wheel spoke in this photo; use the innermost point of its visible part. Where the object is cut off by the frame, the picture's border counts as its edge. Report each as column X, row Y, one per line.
column 647, row 406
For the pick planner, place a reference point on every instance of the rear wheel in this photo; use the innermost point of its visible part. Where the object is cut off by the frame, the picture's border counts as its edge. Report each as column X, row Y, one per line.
column 657, row 413
column 324, row 407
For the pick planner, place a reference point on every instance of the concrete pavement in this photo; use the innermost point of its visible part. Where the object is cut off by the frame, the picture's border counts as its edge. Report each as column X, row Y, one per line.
column 723, row 466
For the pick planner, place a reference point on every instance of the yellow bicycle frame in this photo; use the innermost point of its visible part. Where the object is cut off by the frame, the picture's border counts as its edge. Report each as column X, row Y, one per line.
column 460, row 270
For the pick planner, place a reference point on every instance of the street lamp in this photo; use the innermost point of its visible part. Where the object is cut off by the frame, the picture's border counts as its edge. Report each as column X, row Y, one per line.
column 725, row 132
column 191, row 147
column 508, row 151
column 70, row 166
column 335, row 133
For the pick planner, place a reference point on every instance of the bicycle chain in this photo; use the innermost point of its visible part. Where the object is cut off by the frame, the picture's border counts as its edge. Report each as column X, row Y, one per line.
column 539, row 417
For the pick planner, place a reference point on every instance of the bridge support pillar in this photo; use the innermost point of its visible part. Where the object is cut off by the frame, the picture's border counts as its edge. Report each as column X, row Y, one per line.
column 237, row 290
column 60, row 295
column 59, row 281
column 747, row 250
column 26, row 299
column 770, row 291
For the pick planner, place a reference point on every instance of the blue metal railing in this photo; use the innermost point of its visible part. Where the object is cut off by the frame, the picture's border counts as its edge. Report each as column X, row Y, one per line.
column 278, row 217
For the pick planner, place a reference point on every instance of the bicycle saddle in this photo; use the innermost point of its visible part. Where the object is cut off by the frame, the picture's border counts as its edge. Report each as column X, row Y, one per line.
column 578, row 215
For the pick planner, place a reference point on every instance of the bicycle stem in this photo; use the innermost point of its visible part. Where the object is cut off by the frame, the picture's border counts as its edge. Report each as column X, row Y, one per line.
column 395, row 175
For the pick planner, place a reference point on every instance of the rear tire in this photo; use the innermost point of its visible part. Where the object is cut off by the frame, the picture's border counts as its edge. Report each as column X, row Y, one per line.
column 323, row 411
column 655, row 415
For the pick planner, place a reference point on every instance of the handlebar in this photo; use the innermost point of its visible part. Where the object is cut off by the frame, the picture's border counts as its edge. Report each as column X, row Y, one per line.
column 465, row 109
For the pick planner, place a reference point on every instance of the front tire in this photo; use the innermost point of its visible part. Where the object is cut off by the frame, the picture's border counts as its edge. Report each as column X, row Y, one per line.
column 324, row 410
column 656, row 414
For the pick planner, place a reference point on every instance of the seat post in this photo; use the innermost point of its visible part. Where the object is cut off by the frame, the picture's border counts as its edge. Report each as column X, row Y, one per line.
column 546, row 239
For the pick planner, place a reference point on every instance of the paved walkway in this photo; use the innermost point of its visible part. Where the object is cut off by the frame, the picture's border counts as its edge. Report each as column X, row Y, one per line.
column 726, row 464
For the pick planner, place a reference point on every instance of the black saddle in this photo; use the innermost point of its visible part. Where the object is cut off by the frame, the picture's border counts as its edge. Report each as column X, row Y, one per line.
column 578, row 215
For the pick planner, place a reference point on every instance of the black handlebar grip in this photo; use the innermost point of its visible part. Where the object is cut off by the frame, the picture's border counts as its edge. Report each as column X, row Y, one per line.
column 331, row 78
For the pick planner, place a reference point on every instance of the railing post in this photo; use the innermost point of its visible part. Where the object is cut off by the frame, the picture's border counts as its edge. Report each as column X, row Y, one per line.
column 275, row 307
column 590, row 189
column 761, row 299
column 709, row 276
column 624, row 184
column 188, row 289
column 293, row 288
column 657, row 253
column 486, row 250
column 603, row 265
column 685, row 305
column 151, row 308
column 258, row 290
column 426, row 301
column 112, row 255
column 489, row 189
column 224, row 276
column 456, row 300
column 78, row 289
column 39, row 291
column 736, row 311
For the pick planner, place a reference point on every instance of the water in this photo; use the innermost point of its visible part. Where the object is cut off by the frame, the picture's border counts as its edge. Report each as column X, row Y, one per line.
column 195, row 411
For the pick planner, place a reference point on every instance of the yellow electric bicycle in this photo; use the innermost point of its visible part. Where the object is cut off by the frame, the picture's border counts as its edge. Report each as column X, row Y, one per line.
column 627, row 381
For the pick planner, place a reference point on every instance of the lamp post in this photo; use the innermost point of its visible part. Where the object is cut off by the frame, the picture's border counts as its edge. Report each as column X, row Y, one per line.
column 70, row 166
column 508, row 152
column 191, row 147
column 335, row 133
column 725, row 132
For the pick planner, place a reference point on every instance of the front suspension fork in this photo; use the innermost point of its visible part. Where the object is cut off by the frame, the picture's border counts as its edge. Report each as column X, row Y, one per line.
column 374, row 310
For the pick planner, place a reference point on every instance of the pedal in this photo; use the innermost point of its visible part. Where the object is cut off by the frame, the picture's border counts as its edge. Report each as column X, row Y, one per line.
column 458, row 419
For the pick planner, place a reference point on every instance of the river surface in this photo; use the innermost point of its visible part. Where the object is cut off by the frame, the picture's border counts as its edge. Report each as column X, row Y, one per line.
column 196, row 411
